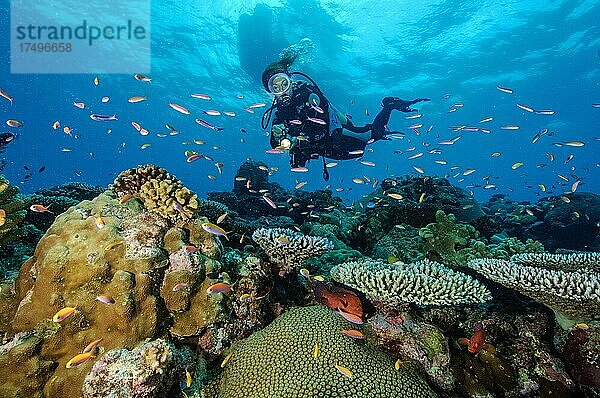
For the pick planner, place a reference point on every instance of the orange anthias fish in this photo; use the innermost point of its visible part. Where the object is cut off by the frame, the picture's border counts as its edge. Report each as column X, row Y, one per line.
column 477, row 341
column 338, row 298
column 40, row 209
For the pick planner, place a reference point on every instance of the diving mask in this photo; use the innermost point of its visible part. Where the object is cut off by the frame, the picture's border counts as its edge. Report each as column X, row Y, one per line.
column 280, row 83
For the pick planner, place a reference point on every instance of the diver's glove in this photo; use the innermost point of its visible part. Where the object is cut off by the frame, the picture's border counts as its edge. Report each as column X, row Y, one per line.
column 400, row 104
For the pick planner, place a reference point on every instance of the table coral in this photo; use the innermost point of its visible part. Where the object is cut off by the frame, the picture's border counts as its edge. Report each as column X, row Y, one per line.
column 423, row 283
column 282, row 361
column 289, row 249
column 569, row 284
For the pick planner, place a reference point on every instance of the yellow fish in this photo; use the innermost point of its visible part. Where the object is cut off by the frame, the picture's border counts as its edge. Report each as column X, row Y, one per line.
column 397, row 364
column 79, row 359
column 188, row 378
column 345, row 371
column 316, row 350
column 92, row 346
column 227, row 358
column 113, row 245
column 63, row 314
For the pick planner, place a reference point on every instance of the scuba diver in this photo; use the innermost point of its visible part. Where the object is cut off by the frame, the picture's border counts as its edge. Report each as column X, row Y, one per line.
column 309, row 126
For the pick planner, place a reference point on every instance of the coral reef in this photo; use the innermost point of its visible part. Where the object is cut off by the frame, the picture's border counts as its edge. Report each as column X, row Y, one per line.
column 289, row 249
column 302, row 354
column 150, row 370
column 422, row 283
column 78, row 191
column 569, row 284
column 159, row 191
column 413, row 340
column 552, row 220
column 403, row 243
column 581, row 352
column 12, row 211
column 446, row 237
column 133, row 257
column 422, row 197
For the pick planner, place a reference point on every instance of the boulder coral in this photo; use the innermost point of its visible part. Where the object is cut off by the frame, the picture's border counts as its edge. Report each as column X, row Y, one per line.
column 117, row 265
column 303, row 354
column 150, row 370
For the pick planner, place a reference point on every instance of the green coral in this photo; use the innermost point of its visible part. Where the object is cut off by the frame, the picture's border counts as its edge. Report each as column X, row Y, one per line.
column 456, row 244
column 446, row 237
column 402, row 242
column 12, row 211
column 322, row 265
column 279, row 361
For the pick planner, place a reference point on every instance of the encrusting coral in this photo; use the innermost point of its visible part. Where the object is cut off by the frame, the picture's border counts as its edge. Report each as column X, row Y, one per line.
column 159, row 191
column 423, row 283
column 147, row 371
column 289, row 249
column 303, row 354
column 569, row 284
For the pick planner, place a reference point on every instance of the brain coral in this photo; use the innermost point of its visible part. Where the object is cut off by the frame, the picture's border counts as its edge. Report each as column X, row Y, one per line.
column 567, row 283
column 289, row 249
column 280, row 361
column 423, row 282
column 161, row 192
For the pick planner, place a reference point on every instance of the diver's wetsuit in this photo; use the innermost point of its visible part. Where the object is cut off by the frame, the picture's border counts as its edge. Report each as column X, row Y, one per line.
column 329, row 139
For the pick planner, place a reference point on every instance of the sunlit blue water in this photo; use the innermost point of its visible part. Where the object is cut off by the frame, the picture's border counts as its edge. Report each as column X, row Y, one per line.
column 546, row 51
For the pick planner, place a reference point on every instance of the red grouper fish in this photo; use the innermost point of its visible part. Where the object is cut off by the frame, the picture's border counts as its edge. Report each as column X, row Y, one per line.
column 339, row 299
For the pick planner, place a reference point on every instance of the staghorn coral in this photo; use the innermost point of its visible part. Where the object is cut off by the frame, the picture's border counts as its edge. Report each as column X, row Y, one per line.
column 289, row 249
column 12, row 211
column 159, row 191
column 423, row 283
column 279, row 361
column 150, row 370
column 569, row 284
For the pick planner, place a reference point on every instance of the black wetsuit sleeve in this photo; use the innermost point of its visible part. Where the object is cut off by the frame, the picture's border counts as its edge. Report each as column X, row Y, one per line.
column 357, row 129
